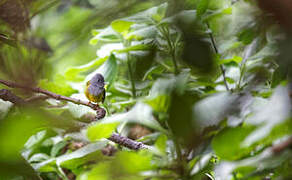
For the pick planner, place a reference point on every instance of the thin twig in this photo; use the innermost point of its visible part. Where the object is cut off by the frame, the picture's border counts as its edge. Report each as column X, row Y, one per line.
column 50, row 94
column 217, row 52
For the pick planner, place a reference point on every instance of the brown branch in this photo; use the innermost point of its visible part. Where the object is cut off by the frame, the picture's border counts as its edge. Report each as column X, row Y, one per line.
column 50, row 94
column 282, row 146
column 121, row 140
column 127, row 142
column 7, row 95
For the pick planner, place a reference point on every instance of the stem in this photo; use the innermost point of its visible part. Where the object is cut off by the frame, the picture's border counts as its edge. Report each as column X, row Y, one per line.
column 131, row 76
column 166, row 35
column 217, row 52
column 126, row 44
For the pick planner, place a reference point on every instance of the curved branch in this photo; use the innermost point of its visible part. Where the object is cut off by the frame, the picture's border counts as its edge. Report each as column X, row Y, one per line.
column 50, row 94
column 116, row 138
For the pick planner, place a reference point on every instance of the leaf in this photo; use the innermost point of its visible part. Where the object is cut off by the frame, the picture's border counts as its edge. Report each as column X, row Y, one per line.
column 267, row 116
column 160, row 103
column 81, row 156
column 101, row 130
column 202, row 7
column 211, row 110
column 134, row 162
column 74, row 73
column 217, row 13
column 35, row 139
column 139, row 47
column 142, row 32
column 227, row 143
column 57, row 148
column 263, row 162
column 246, row 36
column 235, row 59
column 106, row 35
column 160, row 143
column 45, row 166
column 58, row 86
column 4, row 108
column 121, row 26
column 40, row 157
column 149, row 16
column 6, row 40
column 16, row 129
column 140, row 114
column 109, row 70
column 200, row 163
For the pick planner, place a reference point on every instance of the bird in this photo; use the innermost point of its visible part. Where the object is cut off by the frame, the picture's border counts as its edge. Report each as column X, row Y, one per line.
column 95, row 91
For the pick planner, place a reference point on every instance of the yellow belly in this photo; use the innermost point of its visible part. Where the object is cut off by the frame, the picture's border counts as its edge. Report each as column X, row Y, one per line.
column 93, row 98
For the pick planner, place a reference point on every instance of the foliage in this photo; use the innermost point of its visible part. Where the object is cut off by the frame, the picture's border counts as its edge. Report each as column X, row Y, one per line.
column 205, row 84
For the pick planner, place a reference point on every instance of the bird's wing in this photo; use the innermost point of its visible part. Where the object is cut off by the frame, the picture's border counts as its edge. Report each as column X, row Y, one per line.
column 95, row 90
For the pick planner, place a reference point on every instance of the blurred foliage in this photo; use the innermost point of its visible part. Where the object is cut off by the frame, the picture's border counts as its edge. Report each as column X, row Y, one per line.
column 205, row 84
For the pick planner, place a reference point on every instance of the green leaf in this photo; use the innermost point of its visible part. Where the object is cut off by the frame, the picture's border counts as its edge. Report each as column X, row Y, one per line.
column 121, row 26
column 134, row 162
column 216, row 14
column 160, row 143
column 4, row 108
column 139, row 47
column 16, row 129
column 109, row 70
column 58, row 86
column 246, row 36
column 235, row 59
column 57, row 148
column 81, row 156
column 149, row 16
column 142, row 32
column 46, row 166
column 269, row 115
column 106, row 35
column 227, row 144
column 202, row 7
column 140, row 114
column 40, row 157
column 74, row 73
column 101, row 130
column 211, row 110
column 159, row 103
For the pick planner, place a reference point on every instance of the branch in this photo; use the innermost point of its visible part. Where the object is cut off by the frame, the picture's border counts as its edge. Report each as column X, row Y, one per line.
column 50, row 94
column 217, row 52
column 9, row 96
column 127, row 142
column 282, row 146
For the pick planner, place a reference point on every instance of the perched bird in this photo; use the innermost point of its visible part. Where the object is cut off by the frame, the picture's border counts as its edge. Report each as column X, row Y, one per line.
column 95, row 91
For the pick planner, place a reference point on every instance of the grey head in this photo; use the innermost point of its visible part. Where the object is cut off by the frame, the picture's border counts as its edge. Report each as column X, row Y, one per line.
column 97, row 80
